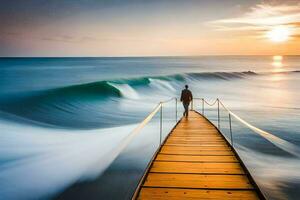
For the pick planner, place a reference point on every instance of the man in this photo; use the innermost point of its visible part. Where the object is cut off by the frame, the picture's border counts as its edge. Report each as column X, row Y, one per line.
column 186, row 98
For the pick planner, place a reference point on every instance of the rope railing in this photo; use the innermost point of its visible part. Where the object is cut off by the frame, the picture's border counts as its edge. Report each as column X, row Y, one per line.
column 209, row 103
column 167, row 101
column 277, row 141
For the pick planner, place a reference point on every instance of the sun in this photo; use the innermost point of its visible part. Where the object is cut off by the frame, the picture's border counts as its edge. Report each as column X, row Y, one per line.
column 279, row 34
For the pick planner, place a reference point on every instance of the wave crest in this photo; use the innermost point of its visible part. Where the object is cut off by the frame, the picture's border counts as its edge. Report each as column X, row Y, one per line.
column 93, row 105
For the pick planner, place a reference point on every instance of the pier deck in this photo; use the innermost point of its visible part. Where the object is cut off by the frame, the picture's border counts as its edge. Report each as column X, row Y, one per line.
column 196, row 162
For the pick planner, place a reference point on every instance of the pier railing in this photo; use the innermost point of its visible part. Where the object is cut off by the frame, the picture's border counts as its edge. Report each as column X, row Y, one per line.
column 225, row 122
column 166, row 115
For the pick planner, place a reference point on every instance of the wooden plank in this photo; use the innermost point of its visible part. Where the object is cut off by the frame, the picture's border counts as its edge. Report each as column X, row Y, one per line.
column 193, row 167
column 191, row 139
column 196, row 131
column 198, row 181
column 188, row 158
column 196, row 137
column 196, row 145
column 193, row 129
column 197, row 142
column 207, row 138
column 212, row 135
column 194, row 123
column 193, row 144
column 179, row 136
column 195, row 134
column 190, row 152
column 192, row 194
column 202, row 148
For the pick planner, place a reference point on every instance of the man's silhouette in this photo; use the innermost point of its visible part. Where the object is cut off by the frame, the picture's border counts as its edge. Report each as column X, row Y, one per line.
column 186, row 98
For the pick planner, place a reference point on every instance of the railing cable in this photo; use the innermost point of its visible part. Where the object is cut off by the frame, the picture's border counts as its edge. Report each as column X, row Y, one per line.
column 281, row 143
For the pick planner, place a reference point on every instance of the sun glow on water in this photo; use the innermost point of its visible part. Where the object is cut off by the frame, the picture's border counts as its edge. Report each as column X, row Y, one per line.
column 277, row 58
column 277, row 63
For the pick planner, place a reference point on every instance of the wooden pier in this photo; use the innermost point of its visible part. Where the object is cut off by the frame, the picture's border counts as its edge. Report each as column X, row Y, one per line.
column 196, row 162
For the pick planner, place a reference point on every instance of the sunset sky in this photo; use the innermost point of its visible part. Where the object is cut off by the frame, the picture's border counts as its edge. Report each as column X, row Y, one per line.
column 149, row 28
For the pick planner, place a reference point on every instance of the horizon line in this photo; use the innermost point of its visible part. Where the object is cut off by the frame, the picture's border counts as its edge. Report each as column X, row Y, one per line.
column 154, row 56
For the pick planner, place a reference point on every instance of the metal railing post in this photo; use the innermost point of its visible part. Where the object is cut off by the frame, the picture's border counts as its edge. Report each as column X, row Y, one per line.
column 160, row 135
column 218, row 114
column 230, row 128
column 176, row 115
column 203, row 106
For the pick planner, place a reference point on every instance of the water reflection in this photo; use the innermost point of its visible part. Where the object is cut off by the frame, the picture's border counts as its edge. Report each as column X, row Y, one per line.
column 277, row 63
column 275, row 92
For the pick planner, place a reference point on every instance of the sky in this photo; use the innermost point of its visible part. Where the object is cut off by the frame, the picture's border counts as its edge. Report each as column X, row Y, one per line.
column 149, row 28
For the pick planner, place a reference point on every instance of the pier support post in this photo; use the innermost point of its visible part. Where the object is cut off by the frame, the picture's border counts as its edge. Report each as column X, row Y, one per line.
column 230, row 128
column 203, row 106
column 160, row 124
column 218, row 114
column 176, row 109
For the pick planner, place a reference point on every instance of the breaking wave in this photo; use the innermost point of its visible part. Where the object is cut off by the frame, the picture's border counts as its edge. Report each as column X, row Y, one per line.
column 91, row 105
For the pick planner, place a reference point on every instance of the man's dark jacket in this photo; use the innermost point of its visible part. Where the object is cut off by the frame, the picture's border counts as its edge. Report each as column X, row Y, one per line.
column 186, row 96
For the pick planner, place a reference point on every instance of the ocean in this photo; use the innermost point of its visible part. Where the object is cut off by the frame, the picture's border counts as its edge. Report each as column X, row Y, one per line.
column 63, row 120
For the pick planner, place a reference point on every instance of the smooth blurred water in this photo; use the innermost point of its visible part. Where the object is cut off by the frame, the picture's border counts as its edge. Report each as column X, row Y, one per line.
column 63, row 119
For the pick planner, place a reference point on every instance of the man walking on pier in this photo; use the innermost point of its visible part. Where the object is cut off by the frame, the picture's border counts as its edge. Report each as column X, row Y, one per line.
column 186, row 98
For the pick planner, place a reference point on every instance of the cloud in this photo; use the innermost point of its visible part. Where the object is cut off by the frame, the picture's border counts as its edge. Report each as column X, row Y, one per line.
column 263, row 17
column 264, row 14
column 69, row 39
column 52, row 38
